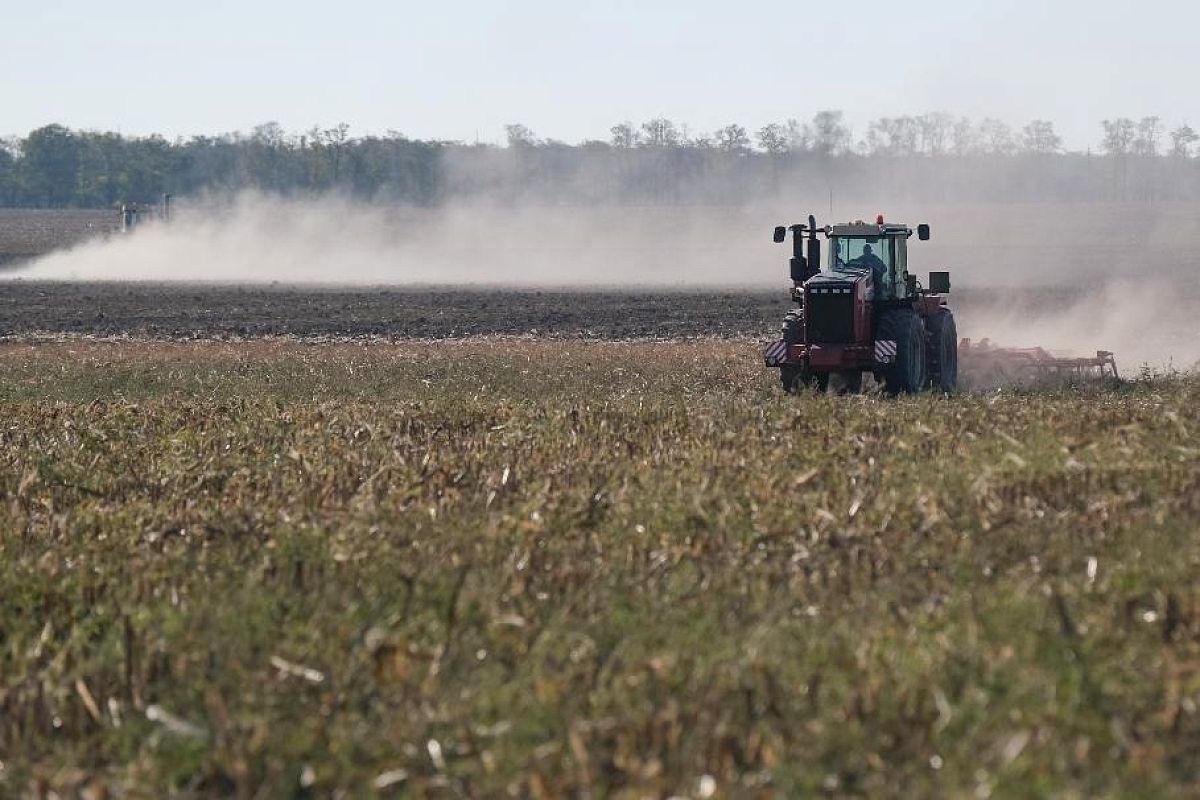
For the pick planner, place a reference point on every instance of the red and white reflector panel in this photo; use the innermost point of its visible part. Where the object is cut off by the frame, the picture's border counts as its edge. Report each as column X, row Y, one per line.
column 775, row 353
column 885, row 351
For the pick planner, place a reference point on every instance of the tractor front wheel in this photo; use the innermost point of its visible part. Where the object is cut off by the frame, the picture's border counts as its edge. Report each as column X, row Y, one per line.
column 793, row 377
column 849, row 382
column 790, row 376
column 796, row 379
column 908, row 371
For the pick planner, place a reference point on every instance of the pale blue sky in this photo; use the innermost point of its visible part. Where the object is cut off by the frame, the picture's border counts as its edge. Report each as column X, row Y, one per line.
column 570, row 71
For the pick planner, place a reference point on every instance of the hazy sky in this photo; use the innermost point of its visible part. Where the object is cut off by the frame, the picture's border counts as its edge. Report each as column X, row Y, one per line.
column 455, row 69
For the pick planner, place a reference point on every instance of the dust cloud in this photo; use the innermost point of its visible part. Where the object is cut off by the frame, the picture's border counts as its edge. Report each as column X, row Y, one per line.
column 260, row 240
column 1150, row 323
column 1070, row 278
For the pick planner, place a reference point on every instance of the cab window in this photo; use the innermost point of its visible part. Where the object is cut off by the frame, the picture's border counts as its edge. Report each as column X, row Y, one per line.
column 856, row 254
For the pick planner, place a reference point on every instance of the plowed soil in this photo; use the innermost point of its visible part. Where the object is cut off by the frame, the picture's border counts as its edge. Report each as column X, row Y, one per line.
column 28, row 233
column 221, row 311
column 216, row 311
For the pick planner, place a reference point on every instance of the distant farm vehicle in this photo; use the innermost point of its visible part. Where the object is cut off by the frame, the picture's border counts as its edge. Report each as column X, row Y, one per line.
column 133, row 215
column 860, row 311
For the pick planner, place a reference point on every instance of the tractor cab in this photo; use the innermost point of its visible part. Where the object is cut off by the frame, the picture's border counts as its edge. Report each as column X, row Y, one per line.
column 130, row 217
column 857, row 251
column 880, row 251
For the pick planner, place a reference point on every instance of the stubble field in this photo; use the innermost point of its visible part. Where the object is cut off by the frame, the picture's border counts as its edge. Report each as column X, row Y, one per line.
column 550, row 567
column 272, row 540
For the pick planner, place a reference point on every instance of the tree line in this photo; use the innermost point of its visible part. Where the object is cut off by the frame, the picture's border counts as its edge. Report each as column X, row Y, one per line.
column 929, row 157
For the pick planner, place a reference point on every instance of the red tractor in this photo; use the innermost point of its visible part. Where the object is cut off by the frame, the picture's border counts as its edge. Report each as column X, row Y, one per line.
column 860, row 311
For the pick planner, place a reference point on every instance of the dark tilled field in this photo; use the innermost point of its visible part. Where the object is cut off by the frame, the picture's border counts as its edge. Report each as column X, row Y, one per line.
column 28, row 233
column 187, row 311
column 222, row 311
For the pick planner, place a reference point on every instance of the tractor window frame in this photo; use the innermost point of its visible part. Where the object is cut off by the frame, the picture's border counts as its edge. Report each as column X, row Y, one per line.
column 900, row 266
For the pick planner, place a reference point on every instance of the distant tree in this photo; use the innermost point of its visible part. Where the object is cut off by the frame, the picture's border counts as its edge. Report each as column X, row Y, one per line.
column 316, row 171
column 661, row 163
column 519, row 136
column 799, row 136
column 773, row 139
column 624, row 135
column 335, row 140
column 267, row 158
column 104, row 168
column 1039, row 137
column 1149, row 131
column 893, row 136
column 1182, row 139
column 732, row 139
column 50, row 162
column 964, row 138
column 829, row 133
column 934, row 131
column 8, row 173
column 145, row 175
column 660, row 132
column 877, row 140
column 1118, row 136
column 996, row 136
column 270, row 134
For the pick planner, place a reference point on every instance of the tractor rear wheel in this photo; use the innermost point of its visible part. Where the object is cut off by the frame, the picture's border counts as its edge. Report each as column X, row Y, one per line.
column 943, row 352
column 908, row 371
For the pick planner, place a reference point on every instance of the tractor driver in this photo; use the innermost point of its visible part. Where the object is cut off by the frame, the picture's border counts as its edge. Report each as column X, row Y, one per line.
column 873, row 262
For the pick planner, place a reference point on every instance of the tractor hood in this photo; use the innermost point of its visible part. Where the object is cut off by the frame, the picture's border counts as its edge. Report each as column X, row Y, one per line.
column 835, row 282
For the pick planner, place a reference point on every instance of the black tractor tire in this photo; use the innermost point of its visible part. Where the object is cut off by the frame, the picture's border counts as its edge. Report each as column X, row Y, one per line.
column 792, row 329
column 796, row 379
column 790, row 376
column 908, row 373
column 943, row 352
column 793, row 378
column 850, row 382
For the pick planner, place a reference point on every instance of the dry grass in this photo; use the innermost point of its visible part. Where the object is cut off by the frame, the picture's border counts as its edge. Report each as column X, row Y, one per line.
column 468, row 568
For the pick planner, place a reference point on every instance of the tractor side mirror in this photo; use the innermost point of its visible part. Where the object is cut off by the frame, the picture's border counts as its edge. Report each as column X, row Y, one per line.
column 780, row 234
column 923, row 232
column 939, row 282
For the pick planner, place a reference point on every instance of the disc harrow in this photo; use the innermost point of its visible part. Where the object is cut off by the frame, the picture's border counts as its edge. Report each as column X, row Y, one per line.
column 992, row 362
